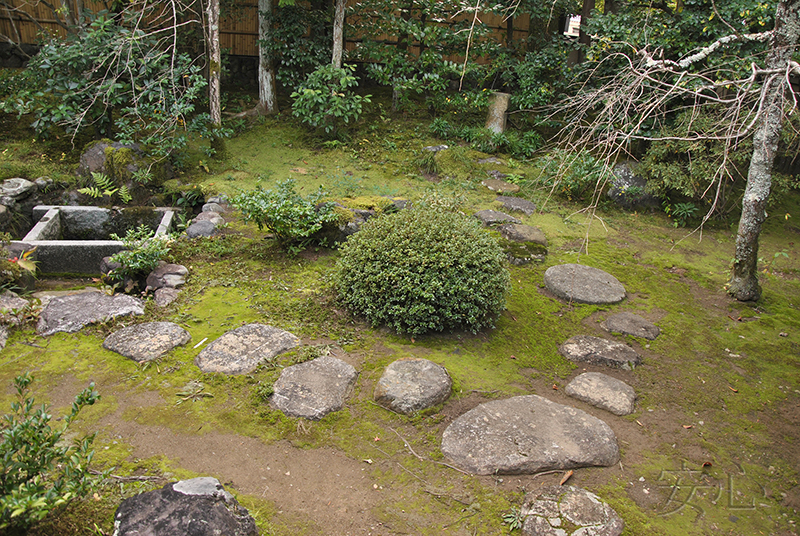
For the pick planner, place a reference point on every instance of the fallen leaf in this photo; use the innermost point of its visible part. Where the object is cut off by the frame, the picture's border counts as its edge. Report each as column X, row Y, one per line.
column 566, row 477
column 732, row 389
column 555, row 387
column 513, row 357
column 640, row 424
column 687, row 426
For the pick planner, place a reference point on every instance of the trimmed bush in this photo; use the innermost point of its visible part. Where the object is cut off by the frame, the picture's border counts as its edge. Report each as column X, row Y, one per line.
column 423, row 270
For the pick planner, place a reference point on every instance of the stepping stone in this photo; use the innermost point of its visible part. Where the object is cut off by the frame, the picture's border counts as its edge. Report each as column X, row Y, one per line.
column 314, row 388
column 517, row 204
column 493, row 217
column 631, row 324
column 583, row 284
column 603, row 391
column 523, row 243
column 588, row 349
column 412, row 384
column 199, row 506
column 501, row 186
column 71, row 313
column 146, row 342
column 526, row 435
column 165, row 296
column 240, row 351
column 167, row 275
column 568, row 511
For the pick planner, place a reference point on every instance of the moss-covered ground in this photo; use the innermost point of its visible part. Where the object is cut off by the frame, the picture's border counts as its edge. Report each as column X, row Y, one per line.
column 712, row 447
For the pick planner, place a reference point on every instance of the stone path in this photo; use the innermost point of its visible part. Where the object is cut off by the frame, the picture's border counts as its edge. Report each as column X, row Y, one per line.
column 314, row 388
column 516, row 204
column 589, row 349
column 494, row 217
column 603, row 391
column 412, row 384
column 583, row 284
column 71, row 313
column 568, row 511
column 241, row 350
column 631, row 324
column 146, row 342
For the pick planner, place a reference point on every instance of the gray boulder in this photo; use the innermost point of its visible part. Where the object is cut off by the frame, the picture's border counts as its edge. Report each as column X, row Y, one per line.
column 603, row 391
column 526, row 435
column 200, row 228
column 517, row 204
column 412, row 384
column 493, row 217
column 71, row 313
column 167, row 275
column 631, row 324
column 213, row 217
column 588, row 349
column 17, row 189
column 314, row 388
column 629, row 190
column 213, row 207
column 165, row 296
column 146, row 342
column 196, row 507
column 583, row 284
column 568, row 511
column 241, row 350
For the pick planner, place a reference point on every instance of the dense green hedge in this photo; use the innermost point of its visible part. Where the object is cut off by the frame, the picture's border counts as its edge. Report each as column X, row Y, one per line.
column 424, row 270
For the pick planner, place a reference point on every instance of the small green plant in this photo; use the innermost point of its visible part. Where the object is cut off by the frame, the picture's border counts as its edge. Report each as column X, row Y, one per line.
column 514, row 518
column 289, row 216
column 104, row 186
column 680, row 212
column 770, row 266
column 325, row 100
column 570, row 175
column 40, row 472
column 141, row 254
column 423, row 269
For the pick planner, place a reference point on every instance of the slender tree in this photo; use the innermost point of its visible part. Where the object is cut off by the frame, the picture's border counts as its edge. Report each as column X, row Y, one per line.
column 214, row 72
column 267, row 97
column 338, row 33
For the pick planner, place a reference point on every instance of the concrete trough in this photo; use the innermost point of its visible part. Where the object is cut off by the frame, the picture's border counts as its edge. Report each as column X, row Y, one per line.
column 63, row 235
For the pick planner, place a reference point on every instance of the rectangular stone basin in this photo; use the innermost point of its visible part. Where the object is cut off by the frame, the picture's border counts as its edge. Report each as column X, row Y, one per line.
column 74, row 240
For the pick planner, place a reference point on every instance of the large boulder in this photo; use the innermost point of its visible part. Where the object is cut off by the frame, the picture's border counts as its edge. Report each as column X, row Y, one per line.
column 583, row 284
column 526, row 435
column 119, row 162
column 241, row 350
column 412, row 384
column 314, row 388
column 195, row 507
column 629, row 190
column 71, row 313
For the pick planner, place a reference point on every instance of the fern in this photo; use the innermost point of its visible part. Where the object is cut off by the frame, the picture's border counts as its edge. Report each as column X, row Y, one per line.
column 124, row 194
column 104, row 186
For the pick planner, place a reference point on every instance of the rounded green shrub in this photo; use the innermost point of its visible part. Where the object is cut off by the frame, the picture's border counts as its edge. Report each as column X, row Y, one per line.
column 422, row 270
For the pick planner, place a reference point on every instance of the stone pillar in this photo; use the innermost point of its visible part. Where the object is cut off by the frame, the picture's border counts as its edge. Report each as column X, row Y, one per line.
column 498, row 105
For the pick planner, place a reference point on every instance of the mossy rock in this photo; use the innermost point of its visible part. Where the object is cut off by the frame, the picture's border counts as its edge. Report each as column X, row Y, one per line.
column 120, row 162
column 370, row 202
column 520, row 253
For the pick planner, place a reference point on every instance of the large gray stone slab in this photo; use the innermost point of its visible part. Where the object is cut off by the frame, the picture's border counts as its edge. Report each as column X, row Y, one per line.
column 588, row 349
column 196, row 507
column 568, row 511
column 631, row 324
column 526, row 435
column 412, row 384
column 240, row 351
column 583, row 284
column 603, row 391
column 71, row 313
column 314, row 388
column 517, row 204
column 146, row 342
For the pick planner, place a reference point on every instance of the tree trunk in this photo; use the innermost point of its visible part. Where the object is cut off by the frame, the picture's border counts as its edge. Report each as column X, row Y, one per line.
column 267, row 101
column 338, row 34
column 214, row 68
column 584, row 38
column 610, row 6
column 744, row 277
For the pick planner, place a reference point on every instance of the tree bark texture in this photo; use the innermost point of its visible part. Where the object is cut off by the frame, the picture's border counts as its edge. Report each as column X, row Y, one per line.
column 214, row 69
column 267, row 100
column 744, row 276
column 338, row 34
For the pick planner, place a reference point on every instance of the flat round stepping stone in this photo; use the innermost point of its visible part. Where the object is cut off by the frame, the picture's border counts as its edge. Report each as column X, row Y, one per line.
column 568, row 511
column 603, row 391
column 583, row 284
column 146, row 342
column 314, row 388
column 631, row 324
column 517, row 204
column 71, row 313
column 500, row 186
column 240, row 351
column 526, row 435
column 412, row 384
column 196, row 507
column 493, row 217
column 588, row 349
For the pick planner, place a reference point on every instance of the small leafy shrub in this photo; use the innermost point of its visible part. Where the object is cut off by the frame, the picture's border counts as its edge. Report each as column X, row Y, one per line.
column 325, row 101
column 292, row 218
column 423, row 269
column 681, row 212
column 484, row 140
column 570, row 175
column 141, row 254
column 40, row 473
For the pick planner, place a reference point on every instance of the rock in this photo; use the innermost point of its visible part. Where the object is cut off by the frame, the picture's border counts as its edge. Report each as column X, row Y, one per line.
column 435, row 148
column 493, row 217
column 201, row 228
column 107, row 265
column 165, row 296
column 71, row 313
column 218, row 199
column 516, row 204
column 583, row 284
column 43, row 183
column 526, row 435
column 196, row 507
column 490, row 160
column 314, row 388
column 631, row 324
column 412, row 384
column 523, row 233
column 17, row 188
column 568, row 511
column 523, row 243
column 167, row 275
column 588, row 349
column 213, row 207
column 213, row 217
column 10, row 307
column 3, row 336
column 603, row 392
column 146, row 342
column 120, row 161
column 241, row 350
column 501, row 186
column 628, row 189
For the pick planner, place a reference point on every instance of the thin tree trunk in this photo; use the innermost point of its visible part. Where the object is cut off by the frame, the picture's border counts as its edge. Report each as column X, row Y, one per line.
column 214, row 68
column 584, row 38
column 267, row 101
column 338, row 34
column 744, row 276
column 610, row 6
